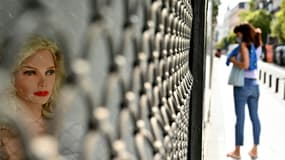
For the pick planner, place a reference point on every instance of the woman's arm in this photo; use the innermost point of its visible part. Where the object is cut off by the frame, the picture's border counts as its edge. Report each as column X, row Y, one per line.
column 244, row 63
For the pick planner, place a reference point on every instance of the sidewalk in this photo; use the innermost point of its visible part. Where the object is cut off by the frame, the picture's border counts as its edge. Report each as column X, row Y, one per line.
column 219, row 132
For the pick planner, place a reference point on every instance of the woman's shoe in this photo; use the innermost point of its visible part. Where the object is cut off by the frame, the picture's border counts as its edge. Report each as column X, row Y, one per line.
column 252, row 155
column 233, row 155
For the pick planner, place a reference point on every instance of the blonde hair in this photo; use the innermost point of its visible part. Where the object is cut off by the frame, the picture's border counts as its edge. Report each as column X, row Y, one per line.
column 30, row 47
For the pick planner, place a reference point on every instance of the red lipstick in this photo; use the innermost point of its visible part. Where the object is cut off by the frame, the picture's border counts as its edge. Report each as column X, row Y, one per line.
column 41, row 93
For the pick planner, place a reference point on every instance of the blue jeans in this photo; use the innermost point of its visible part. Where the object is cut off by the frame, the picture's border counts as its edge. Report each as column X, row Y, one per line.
column 248, row 94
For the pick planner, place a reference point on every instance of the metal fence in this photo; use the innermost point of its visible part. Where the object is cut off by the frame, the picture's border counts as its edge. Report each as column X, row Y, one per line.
column 128, row 85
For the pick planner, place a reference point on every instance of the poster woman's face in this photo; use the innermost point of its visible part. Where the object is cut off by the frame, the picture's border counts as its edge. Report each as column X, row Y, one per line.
column 35, row 80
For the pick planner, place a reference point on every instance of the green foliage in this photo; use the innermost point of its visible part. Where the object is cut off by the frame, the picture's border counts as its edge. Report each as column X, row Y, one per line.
column 259, row 18
column 252, row 5
column 216, row 4
column 230, row 39
column 244, row 14
column 278, row 24
column 220, row 44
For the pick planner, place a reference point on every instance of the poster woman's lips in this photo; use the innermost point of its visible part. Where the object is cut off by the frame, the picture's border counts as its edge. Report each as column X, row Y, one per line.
column 41, row 93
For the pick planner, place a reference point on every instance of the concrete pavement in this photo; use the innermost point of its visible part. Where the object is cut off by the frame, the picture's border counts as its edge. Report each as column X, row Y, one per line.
column 219, row 131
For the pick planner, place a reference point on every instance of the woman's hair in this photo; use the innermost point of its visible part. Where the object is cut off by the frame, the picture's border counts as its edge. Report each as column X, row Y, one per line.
column 248, row 33
column 30, row 47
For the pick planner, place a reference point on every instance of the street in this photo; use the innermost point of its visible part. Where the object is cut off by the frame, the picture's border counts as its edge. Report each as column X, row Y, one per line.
column 219, row 131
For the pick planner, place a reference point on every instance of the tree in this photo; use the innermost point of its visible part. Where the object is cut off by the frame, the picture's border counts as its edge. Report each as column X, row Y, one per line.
column 252, row 5
column 226, row 41
column 278, row 24
column 258, row 18
column 216, row 4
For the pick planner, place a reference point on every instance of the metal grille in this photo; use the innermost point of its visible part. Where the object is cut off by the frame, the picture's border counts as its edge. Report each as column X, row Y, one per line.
column 128, row 81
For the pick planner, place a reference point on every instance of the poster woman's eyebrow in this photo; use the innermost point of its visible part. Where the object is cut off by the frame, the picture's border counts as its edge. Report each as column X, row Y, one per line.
column 29, row 67
column 33, row 67
column 51, row 67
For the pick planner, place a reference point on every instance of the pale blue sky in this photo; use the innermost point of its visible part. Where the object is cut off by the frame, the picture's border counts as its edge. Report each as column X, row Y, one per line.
column 224, row 5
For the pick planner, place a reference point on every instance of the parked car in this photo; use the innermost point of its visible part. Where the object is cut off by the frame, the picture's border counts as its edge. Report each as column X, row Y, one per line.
column 279, row 54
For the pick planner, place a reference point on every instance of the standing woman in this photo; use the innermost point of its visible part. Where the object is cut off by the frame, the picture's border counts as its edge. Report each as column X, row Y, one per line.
column 35, row 78
column 250, row 49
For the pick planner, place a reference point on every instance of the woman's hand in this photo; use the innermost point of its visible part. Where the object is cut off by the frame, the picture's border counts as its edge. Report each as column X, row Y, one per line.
column 233, row 59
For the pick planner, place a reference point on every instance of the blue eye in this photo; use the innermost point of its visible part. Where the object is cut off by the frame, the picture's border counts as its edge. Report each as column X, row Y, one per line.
column 50, row 72
column 29, row 72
